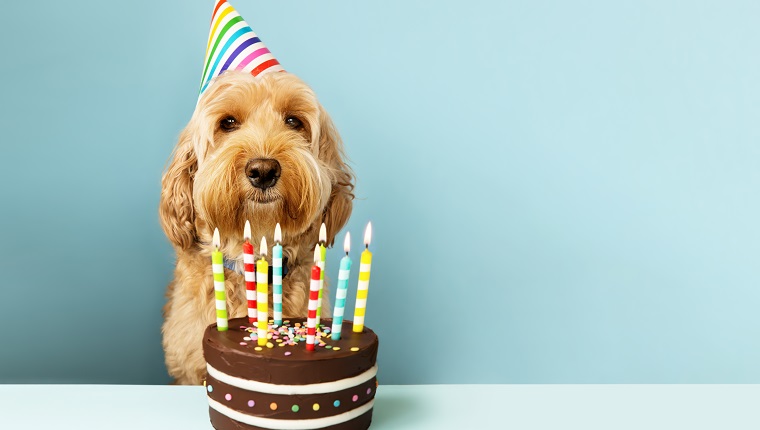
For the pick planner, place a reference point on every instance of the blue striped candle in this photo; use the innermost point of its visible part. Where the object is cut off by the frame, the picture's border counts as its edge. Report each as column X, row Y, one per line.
column 277, row 275
column 340, row 293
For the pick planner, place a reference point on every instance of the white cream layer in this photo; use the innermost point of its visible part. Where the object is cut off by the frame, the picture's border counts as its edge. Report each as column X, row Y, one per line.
column 263, row 387
column 273, row 423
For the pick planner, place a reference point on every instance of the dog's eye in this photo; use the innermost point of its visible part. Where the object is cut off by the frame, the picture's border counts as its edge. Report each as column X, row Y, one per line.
column 228, row 123
column 293, row 122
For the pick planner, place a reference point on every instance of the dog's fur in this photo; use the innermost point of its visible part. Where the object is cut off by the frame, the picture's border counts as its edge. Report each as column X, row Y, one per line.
column 205, row 187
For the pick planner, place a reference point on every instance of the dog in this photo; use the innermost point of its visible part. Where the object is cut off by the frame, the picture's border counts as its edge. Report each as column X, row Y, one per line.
column 261, row 149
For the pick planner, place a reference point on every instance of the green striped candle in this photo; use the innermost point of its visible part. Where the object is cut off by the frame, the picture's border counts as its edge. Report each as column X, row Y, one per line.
column 321, row 264
column 217, row 267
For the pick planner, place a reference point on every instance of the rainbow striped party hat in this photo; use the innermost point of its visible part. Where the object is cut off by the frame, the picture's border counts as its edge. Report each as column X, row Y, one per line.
column 232, row 45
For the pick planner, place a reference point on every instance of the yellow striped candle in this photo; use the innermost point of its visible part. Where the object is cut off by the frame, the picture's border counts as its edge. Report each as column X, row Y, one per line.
column 321, row 264
column 220, row 294
column 262, row 293
column 363, row 287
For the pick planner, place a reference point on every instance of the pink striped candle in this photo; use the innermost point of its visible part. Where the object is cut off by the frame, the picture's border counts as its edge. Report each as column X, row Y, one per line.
column 311, row 321
column 249, row 272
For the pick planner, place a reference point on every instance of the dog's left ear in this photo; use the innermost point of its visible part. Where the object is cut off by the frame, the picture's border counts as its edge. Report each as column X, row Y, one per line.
column 331, row 151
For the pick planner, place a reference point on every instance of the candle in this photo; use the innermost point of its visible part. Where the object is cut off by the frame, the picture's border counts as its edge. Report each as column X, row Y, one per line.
column 363, row 287
column 249, row 273
column 311, row 320
column 277, row 275
column 220, row 293
column 322, row 257
column 340, row 293
column 262, row 291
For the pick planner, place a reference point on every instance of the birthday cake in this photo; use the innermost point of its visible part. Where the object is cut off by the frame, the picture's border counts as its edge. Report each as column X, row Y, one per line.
column 282, row 385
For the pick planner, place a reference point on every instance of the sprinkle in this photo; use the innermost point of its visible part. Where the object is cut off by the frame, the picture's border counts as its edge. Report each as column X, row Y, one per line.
column 273, row 406
column 278, row 340
column 269, row 335
column 210, row 388
column 228, row 396
column 270, row 345
column 243, row 343
column 242, row 326
column 336, row 348
column 316, row 406
column 336, row 403
column 247, row 338
column 258, row 348
column 295, row 408
column 287, row 353
column 354, row 349
column 355, row 398
column 369, row 390
column 251, row 403
column 328, row 346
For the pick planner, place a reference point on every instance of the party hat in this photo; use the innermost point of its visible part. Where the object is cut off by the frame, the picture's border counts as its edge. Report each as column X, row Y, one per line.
column 232, row 45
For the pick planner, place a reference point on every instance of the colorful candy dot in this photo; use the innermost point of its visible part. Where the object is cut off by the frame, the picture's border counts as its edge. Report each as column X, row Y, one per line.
column 354, row 349
column 251, row 403
column 328, row 346
column 369, row 390
column 210, row 388
column 258, row 348
column 228, row 396
column 336, row 348
column 316, row 406
column 355, row 398
column 295, row 408
column 243, row 343
column 273, row 406
column 287, row 353
column 270, row 345
column 336, row 403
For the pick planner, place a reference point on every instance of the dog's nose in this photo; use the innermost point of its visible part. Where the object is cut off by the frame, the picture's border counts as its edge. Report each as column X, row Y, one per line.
column 263, row 172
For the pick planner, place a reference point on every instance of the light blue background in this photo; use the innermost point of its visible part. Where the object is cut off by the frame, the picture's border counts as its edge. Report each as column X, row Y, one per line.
column 562, row 192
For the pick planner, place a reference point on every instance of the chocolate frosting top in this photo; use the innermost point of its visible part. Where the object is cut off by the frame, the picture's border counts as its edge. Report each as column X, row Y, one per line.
column 223, row 351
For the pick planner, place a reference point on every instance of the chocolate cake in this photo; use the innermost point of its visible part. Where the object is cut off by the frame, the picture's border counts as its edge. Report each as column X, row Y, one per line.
column 284, row 386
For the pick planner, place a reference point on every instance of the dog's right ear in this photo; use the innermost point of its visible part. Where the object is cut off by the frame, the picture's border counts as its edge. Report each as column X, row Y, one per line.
column 176, row 208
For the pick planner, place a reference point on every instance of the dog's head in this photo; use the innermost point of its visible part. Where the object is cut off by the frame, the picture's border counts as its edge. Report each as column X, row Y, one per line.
column 261, row 149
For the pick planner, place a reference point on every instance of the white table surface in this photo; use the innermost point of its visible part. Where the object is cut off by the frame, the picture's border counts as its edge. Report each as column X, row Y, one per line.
column 401, row 407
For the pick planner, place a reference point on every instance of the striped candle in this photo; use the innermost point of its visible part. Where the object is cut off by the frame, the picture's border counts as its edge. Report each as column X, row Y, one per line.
column 232, row 45
column 363, row 287
column 311, row 320
column 340, row 293
column 262, row 291
column 249, row 273
column 217, row 268
column 321, row 263
column 277, row 275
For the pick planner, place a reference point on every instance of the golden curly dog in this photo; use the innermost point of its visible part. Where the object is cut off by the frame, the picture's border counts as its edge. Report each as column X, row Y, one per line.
column 260, row 149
